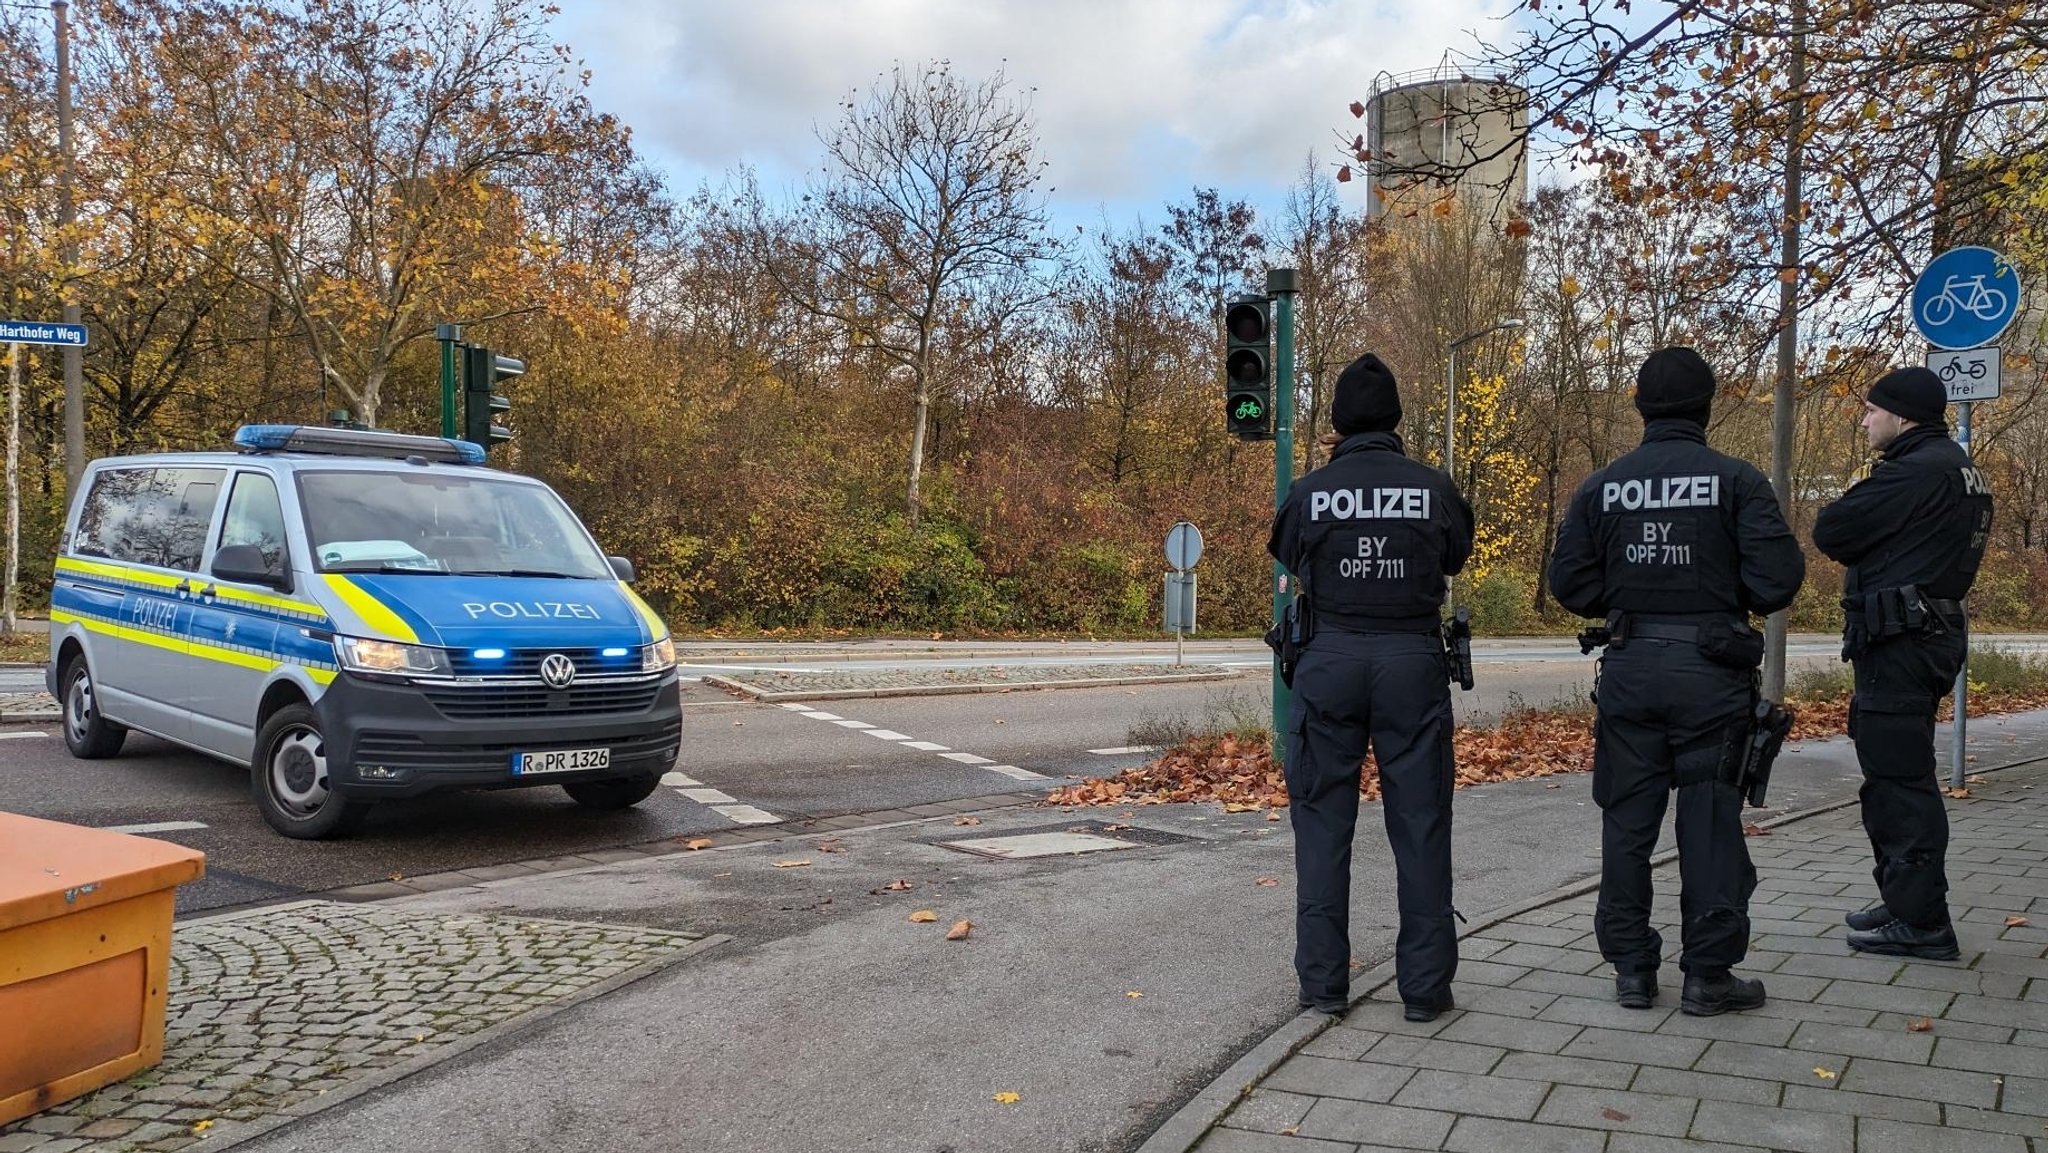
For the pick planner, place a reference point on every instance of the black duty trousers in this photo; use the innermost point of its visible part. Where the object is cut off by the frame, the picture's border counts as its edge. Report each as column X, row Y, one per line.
column 1665, row 713
column 1898, row 684
column 1391, row 689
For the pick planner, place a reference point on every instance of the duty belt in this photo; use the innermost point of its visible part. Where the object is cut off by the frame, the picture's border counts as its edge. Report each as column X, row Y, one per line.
column 1657, row 632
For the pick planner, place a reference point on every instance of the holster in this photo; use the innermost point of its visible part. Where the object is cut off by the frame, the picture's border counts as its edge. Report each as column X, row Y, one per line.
column 1752, row 749
column 1290, row 634
column 1731, row 644
column 1457, row 638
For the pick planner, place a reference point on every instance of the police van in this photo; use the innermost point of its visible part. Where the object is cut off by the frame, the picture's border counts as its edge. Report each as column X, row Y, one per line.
column 356, row 615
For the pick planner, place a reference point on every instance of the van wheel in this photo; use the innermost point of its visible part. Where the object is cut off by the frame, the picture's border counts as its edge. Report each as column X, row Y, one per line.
column 617, row 793
column 87, row 734
column 291, row 783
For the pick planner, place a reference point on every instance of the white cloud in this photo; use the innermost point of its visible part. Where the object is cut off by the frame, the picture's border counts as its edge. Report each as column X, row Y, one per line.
column 1134, row 99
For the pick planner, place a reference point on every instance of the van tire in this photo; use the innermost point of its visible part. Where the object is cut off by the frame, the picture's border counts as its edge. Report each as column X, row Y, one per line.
column 87, row 733
column 290, row 779
column 616, row 793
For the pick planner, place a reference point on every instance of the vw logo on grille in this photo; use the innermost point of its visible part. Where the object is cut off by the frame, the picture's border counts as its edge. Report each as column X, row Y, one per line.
column 557, row 670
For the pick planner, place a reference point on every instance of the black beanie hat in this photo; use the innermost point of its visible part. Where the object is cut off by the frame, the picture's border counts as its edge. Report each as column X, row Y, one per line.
column 1367, row 398
column 1675, row 381
column 1914, row 393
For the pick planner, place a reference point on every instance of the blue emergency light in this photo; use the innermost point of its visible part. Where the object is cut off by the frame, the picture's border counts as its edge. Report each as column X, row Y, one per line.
column 354, row 442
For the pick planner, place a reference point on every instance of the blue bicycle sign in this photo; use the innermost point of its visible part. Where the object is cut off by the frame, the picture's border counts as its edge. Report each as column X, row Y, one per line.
column 1966, row 298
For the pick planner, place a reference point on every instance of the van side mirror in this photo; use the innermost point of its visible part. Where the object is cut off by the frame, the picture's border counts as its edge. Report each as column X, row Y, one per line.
column 244, row 564
column 622, row 568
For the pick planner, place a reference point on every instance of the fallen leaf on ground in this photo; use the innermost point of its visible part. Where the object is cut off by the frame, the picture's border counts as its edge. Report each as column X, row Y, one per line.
column 1001, row 721
column 1613, row 1114
column 1273, row 815
column 719, row 875
column 1823, row 1074
column 697, row 843
column 1923, row 1025
column 1974, row 778
column 892, row 887
column 1236, row 808
column 1134, row 994
column 831, row 847
column 1266, row 882
column 1553, row 785
column 1114, row 828
column 1007, row 1098
column 2015, row 922
column 202, row 1125
column 1957, row 794
column 924, row 916
column 1290, row 1131
column 792, row 864
column 737, row 724
column 959, row 930
column 396, row 877
column 1755, row 831
column 966, row 820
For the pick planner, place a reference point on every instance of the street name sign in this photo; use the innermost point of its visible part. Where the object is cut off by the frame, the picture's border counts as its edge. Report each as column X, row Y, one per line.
column 1966, row 297
column 1967, row 373
column 38, row 332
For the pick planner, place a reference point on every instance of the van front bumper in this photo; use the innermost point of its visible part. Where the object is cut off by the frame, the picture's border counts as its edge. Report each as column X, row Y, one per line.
column 387, row 740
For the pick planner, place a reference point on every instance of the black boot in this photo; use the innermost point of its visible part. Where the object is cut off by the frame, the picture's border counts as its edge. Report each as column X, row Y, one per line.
column 1710, row 995
column 1875, row 917
column 1898, row 939
column 1421, row 1011
column 1635, row 990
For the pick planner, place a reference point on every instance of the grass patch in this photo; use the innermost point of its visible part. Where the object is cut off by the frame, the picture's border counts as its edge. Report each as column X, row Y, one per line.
column 1229, row 713
column 25, row 646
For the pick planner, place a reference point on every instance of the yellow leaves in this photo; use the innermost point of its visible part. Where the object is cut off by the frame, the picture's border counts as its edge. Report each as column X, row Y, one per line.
column 1007, row 1098
column 959, row 930
column 1956, row 794
column 1569, row 286
column 1134, row 994
column 896, row 886
column 967, row 820
column 1242, row 808
column 924, row 917
column 797, row 864
column 1823, row 1073
column 1602, row 343
column 202, row 1125
column 696, row 843
column 1266, row 882
column 2015, row 922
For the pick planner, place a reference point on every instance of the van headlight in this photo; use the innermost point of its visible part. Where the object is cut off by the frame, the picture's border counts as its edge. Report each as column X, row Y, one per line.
column 659, row 656
column 390, row 658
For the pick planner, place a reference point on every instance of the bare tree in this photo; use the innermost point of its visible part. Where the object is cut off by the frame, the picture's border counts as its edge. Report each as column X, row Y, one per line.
column 933, row 191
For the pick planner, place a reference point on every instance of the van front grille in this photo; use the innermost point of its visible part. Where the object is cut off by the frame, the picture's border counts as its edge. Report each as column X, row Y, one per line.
column 512, row 701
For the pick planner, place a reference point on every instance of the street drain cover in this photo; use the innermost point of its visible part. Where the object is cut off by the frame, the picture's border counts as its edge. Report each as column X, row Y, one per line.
column 1024, row 845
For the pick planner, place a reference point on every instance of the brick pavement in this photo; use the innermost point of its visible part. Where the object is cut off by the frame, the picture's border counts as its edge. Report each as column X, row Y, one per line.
column 278, row 1011
column 1538, row 1057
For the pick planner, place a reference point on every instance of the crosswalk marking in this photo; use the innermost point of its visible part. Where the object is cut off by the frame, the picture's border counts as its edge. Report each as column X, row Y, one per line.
column 925, row 746
column 707, row 796
column 680, row 780
column 1125, row 750
column 27, row 736
column 1011, row 771
column 967, row 758
column 156, row 827
column 853, row 724
column 746, row 814
column 887, row 734
column 821, row 716
column 1017, row 773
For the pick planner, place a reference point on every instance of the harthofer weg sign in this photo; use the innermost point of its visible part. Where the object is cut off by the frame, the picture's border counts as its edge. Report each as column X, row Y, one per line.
column 37, row 332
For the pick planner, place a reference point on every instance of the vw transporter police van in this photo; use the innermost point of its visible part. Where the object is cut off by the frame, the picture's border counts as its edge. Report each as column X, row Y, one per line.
column 357, row 615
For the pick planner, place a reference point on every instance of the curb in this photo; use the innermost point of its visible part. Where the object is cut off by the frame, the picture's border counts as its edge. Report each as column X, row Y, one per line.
column 32, row 716
column 771, row 697
column 230, row 1134
column 1189, row 1124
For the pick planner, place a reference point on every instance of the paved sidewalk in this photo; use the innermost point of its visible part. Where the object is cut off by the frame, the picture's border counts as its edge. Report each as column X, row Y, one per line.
column 773, row 686
column 1853, row 1053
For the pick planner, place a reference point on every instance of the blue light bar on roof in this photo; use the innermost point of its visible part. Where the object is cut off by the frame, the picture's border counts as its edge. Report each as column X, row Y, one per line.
column 354, row 442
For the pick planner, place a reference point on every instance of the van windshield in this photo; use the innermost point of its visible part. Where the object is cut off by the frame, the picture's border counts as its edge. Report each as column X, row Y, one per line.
column 441, row 523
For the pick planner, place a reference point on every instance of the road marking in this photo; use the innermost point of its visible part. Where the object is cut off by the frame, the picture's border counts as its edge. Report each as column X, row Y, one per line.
column 1125, row 750
column 26, row 736
column 155, row 827
column 822, row 716
column 1017, row 773
column 793, row 708
column 967, row 758
column 925, row 746
column 708, row 796
column 681, row 780
column 887, row 734
column 746, row 814
column 853, row 724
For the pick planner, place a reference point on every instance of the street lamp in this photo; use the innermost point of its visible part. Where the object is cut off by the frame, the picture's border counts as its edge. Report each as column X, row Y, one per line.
column 1451, row 383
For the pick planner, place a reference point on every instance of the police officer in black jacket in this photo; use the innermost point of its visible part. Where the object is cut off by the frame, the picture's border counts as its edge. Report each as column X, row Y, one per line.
column 1676, row 545
column 1912, row 536
column 1370, row 537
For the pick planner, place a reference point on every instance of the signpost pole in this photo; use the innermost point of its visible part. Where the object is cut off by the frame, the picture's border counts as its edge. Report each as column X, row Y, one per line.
column 10, row 601
column 1956, row 755
column 1280, row 282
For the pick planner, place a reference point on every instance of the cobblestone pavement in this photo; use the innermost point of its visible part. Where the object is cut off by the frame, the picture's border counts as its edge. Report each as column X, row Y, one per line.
column 1852, row 1054
column 274, row 1009
column 772, row 685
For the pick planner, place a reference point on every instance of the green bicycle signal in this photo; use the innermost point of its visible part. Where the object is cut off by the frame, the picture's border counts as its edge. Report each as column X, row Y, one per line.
column 1249, row 409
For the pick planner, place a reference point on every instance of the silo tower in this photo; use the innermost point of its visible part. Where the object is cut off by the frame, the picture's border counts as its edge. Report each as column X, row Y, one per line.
column 1441, row 128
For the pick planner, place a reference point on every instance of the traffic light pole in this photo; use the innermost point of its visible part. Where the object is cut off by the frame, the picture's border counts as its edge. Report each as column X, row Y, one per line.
column 1280, row 284
column 448, row 335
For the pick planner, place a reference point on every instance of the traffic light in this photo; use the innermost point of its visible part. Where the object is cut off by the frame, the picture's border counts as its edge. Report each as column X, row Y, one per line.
column 482, row 369
column 1247, row 368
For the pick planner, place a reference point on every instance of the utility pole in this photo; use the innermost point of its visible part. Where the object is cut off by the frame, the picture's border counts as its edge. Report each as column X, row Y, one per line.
column 1282, row 285
column 67, row 251
column 1788, row 331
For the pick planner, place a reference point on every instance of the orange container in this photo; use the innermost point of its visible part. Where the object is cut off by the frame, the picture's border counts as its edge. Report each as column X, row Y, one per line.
column 85, row 957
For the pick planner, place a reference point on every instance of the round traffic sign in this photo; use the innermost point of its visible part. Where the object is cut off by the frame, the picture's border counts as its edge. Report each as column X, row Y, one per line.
column 1183, row 546
column 1966, row 297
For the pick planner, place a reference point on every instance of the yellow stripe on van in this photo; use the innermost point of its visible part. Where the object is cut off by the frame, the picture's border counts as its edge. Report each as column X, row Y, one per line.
column 376, row 617
column 200, row 649
column 113, row 571
column 267, row 601
column 655, row 628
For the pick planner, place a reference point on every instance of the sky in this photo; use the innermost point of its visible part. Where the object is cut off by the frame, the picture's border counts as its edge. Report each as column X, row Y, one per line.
column 1136, row 101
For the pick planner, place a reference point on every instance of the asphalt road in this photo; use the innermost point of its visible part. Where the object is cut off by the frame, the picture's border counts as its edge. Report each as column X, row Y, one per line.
column 785, row 763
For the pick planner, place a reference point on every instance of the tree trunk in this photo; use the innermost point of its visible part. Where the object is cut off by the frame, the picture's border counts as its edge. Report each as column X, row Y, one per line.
column 922, row 411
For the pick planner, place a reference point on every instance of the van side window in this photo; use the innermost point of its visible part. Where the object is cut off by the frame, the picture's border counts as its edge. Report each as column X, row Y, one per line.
column 256, row 518
column 152, row 516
